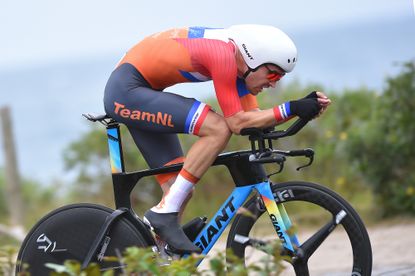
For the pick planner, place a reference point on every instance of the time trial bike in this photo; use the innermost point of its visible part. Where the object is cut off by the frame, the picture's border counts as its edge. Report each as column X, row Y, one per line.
column 89, row 232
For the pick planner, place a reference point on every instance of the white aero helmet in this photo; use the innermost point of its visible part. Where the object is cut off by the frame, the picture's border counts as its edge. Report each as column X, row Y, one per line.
column 261, row 44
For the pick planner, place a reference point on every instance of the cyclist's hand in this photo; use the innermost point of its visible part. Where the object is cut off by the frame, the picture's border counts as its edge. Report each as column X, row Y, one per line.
column 312, row 95
column 322, row 99
column 305, row 108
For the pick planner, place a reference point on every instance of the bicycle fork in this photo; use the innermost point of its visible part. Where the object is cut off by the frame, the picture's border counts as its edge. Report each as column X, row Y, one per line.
column 278, row 216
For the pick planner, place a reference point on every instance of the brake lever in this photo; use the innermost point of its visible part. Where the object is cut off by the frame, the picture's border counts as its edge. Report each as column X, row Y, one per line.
column 280, row 170
column 311, row 159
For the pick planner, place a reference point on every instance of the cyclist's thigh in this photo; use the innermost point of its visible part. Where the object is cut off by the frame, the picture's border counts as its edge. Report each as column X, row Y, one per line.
column 158, row 149
column 130, row 100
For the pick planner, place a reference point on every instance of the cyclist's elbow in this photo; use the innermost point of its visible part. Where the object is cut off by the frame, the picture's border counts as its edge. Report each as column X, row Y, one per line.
column 235, row 124
column 235, row 129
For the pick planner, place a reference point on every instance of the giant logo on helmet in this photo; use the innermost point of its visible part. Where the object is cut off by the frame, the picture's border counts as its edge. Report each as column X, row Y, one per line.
column 246, row 51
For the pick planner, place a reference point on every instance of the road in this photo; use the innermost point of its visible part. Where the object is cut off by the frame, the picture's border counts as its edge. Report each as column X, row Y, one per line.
column 393, row 246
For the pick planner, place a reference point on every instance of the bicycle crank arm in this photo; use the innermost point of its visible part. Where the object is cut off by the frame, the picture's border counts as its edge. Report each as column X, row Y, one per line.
column 255, row 243
column 249, row 241
column 260, row 245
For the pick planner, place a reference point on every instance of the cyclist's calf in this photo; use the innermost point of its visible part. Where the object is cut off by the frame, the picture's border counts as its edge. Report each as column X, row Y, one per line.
column 166, row 188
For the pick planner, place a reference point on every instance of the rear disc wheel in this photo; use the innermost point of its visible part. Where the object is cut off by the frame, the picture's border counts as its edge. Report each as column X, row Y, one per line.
column 68, row 233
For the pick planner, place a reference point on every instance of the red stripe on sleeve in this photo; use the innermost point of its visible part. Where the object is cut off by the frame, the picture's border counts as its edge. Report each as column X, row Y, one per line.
column 201, row 119
column 277, row 114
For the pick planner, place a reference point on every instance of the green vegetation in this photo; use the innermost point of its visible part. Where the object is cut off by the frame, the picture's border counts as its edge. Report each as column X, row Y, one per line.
column 143, row 261
column 7, row 260
column 38, row 201
column 385, row 153
column 3, row 206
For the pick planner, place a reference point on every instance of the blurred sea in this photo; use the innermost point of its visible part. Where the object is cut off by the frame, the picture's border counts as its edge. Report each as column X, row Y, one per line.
column 47, row 101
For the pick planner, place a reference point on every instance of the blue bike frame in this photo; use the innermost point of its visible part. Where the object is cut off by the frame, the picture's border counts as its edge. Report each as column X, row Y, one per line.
column 214, row 229
column 277, row 213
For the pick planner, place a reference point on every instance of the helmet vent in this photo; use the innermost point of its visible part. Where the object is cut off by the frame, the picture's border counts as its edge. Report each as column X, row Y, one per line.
column 294, row 60
column 289, row 60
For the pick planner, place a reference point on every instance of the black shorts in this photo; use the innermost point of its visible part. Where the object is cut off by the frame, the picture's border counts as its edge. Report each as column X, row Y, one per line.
column 153, row 117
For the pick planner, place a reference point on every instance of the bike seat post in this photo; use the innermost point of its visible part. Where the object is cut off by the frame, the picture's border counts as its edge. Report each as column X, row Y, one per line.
column 115, row 148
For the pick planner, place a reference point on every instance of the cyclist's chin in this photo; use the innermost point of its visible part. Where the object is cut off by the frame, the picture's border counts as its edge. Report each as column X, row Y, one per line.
column 255, row 91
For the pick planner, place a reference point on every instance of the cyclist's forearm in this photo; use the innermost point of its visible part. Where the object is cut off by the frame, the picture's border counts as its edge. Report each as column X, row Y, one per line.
column 257, row 118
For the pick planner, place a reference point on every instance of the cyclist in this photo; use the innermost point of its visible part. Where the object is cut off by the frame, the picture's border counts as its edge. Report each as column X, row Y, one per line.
column 241, row 60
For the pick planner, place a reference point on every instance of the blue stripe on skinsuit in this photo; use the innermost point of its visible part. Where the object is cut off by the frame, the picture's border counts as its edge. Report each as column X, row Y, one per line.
column 196, row 32
column 189, row 76
column 190, row 115
column 287, row 109
column 241, row 87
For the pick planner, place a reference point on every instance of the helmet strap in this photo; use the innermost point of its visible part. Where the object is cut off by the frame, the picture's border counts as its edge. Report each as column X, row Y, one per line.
column 247, row 73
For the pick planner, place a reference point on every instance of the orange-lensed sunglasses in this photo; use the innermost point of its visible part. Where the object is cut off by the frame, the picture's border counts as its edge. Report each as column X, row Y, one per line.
column 273, row 75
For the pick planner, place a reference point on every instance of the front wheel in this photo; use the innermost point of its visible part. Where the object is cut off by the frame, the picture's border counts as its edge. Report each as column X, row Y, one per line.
column 344, row 251
column 68, row 233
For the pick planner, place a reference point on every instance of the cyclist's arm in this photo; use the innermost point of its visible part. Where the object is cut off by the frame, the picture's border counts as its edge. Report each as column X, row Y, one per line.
column 309, row 107
column 254, row 118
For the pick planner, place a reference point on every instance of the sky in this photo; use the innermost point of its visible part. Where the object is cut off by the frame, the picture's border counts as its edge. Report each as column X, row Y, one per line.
column 51, row 34
column 36, row 32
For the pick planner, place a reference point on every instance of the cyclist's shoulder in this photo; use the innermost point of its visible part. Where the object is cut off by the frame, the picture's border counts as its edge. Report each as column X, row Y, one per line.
column 192, row 32
column 170, row 33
